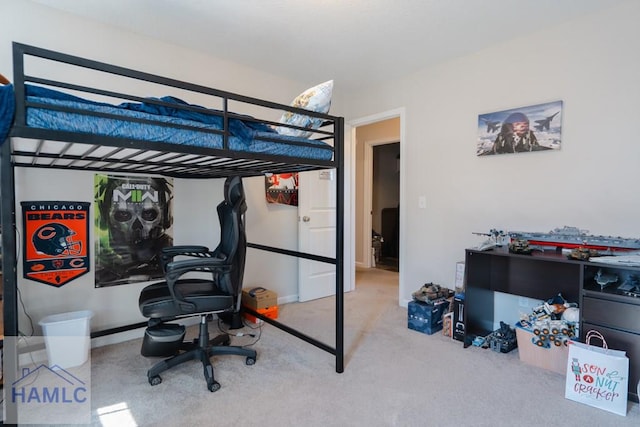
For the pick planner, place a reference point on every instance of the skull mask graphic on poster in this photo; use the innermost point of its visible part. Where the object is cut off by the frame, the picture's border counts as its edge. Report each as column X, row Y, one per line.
column 133, row 225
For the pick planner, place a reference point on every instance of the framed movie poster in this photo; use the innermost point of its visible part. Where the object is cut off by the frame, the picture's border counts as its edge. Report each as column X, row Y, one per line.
column 56, row 236
column 282, row 188
column 133, row 222
column 520, row 130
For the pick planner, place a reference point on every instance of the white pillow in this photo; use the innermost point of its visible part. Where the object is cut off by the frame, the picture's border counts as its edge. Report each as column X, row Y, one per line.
column 318, row 99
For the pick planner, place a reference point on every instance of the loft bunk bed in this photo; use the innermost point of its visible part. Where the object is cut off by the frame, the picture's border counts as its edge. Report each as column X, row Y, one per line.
column 61, row 123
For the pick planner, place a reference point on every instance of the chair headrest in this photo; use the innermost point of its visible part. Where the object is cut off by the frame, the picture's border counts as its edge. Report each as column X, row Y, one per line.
column 233, row 190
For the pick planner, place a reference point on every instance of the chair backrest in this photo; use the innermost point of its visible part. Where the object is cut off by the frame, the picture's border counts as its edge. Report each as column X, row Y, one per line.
column 233, row 240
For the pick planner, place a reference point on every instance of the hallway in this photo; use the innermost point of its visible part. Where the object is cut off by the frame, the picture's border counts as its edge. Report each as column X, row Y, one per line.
column 384, row 280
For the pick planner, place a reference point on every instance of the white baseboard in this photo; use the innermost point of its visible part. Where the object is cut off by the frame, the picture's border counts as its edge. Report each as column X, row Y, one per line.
column 287, row 299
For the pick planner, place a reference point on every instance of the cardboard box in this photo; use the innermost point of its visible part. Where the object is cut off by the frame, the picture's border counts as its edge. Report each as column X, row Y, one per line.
column 259, row 298
column 426, row 318
column 553, row 358
column 271, row 313
column 458, row 317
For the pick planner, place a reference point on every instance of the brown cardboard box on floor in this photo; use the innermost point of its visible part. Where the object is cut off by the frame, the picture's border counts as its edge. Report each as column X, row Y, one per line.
column 259, row 298
column 553, row 358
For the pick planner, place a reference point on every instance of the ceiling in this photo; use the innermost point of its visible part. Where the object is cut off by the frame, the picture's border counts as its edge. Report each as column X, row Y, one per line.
column 357, row 43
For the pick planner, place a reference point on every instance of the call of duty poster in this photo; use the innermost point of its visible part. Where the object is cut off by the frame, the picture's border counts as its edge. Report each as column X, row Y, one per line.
column 56, row 236
column 133, row 223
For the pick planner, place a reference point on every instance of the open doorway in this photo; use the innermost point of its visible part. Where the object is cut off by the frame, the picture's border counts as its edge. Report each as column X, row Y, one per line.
column 385, row 206
column 383, row 133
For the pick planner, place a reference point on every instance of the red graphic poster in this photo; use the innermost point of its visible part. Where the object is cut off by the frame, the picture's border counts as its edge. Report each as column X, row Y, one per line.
column 282, row 188
column 56, row 241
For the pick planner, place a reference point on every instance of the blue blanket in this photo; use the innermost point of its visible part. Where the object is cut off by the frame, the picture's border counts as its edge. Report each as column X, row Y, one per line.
column 245, row 135
column 7, row 110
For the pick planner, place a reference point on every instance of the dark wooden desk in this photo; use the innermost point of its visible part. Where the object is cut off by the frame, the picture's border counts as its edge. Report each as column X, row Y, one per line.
column 539, row 276
column 542, row 275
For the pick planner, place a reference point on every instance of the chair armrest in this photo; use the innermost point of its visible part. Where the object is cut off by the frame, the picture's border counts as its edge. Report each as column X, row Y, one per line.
column 175, row 269
column 184, row 250
column 169, row 253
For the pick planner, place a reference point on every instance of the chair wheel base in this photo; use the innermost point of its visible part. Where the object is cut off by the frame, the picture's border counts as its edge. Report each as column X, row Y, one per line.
column 250, row 361
column 213, row 386
column 155, row 380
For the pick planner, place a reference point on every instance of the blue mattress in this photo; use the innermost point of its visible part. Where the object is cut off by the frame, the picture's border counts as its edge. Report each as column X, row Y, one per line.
column 245, row 135
column 7, row 109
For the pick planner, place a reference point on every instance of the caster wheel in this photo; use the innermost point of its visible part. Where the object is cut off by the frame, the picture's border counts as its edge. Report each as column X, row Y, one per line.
column 250, row 361
column 213, row 386
column 155, row 380
column 227, row 341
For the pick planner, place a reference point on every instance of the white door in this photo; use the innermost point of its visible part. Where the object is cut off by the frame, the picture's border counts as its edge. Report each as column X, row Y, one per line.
column 316, row 233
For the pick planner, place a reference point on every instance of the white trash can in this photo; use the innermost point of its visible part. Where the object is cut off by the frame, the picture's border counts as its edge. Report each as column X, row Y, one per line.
column 67, row 337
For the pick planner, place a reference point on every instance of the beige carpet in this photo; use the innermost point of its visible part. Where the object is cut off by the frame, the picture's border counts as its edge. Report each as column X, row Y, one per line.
column 393, row 377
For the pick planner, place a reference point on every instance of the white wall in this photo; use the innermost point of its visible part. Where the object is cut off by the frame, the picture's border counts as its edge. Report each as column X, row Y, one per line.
column 195, row 218
column 593, row 65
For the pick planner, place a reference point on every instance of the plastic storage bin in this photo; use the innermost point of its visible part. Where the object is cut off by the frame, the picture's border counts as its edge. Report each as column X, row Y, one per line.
column 67, row 338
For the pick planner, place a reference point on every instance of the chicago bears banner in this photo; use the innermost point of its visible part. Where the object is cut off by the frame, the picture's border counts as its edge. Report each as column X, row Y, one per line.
column 56, row 241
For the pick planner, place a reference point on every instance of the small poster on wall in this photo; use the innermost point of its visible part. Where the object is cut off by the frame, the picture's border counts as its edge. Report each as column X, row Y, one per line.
column 56, row 241
column 133, row 223
column 520, row 130
column 282, row 188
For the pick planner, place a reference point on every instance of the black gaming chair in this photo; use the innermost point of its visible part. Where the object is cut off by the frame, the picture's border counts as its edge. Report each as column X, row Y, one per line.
column 178, row 297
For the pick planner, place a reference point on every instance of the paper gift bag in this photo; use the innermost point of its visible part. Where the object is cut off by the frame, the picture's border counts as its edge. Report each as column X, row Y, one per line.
column 597, row 376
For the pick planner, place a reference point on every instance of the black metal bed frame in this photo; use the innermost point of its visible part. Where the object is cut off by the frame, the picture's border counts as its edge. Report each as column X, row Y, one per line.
column 90, row 152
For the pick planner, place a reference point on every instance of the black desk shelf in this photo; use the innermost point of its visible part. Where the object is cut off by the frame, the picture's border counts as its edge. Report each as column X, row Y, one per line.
column 538, row 276
column 542, row 275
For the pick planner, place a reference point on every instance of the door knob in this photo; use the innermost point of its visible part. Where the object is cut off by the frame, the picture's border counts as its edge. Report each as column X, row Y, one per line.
column 306, row 218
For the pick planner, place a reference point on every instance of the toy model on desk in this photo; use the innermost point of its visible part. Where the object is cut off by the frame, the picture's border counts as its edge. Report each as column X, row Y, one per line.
column 631, row 286
column 496, row 238
column 573, row 237
column 605, row 279
column 518, row 246
column 583, row 254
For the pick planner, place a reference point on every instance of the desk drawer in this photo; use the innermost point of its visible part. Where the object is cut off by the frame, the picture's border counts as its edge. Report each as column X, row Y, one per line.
column 611, row 313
